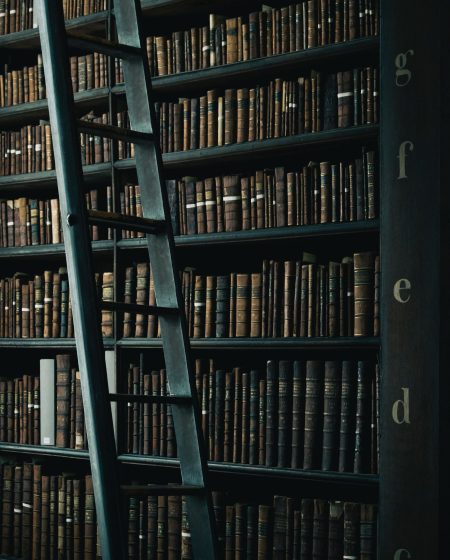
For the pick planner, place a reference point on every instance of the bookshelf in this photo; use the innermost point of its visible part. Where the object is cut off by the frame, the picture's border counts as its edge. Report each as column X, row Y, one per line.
column 418, row 469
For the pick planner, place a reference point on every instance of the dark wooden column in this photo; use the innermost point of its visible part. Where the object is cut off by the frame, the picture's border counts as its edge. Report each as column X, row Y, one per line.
column 415, row 249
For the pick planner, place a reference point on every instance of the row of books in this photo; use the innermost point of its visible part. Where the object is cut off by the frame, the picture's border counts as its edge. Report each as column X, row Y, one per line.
column 46, row 516
column 22, row 86
column 16, row 15
column 31, row 149
column 41, row 307
column 25, row 222
column 290, row 299
column 260, row 34
column 320, row 193
column 28, row 85
column 284, row 108
column 312, row 415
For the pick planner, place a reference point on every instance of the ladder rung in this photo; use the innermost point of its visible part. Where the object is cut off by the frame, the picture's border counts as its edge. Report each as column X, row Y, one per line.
column 89, row 43
column 162, row 490
column 123, row 221
column 114, row 132
column 139, row 309
column 151, row 399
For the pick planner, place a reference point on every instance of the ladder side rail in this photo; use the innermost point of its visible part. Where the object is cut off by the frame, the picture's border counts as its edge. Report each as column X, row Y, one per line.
column 86, row 314
column 155, row 205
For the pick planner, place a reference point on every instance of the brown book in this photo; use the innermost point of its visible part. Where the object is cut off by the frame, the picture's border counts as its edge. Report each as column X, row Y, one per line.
column 364, row 283
column 289, row 287
column 243, row 305
column 210, row 319
column 17, row 531
column 45, row 517
column 107, row 295
column 255, row 306
column 48, row 301
column 345, row 98
column 230, row 116
column 253, row 35
column 8, row 510
column 347, row 418
column 228, row 418
column 312, row 24
column 320, row 529
column 27, row 511
column 232, row 40
column 242, row 115
column 78, row 510
column 174, row 527
column 130, row 294
column 232, row 202
column 37, row 498
column 200, row 206
column 142, row 294
column 211, row 206
column 376, row 308
column 313, row 413
column 63, row 400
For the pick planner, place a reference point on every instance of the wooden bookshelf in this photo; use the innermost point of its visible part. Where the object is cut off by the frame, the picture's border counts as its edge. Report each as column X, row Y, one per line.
column 235, row 247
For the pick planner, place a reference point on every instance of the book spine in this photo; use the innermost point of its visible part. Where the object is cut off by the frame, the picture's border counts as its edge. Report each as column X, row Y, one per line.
column 242, row 305
column 63, row 400
column 332, row 401
column 313, row 400
column 245, row 425
column 27, row 511
column 89, row 520
column 298, row 417
column 364, row 284
column 237, row 432
column 284, row 412
column 363, row 400
column 271, row 413
column 219, row 415
column 37, row 499
column 279, row 532
column 351, row 529
column 8, row 510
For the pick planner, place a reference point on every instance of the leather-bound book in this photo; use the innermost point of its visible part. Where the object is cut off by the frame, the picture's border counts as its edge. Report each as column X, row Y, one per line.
column 35, row 411
column 191, row 207
column 200, row 206
column 64, row 306
column 245, row 419
column 363, row 410
column 332, row 405
column 353, row 20
column 240, row 543
column 133, row 521
column 284, row 412
column 230, row 116
column 361, row 205
column 212, row 98
column 129, row 319
column 372, row 201
column 232, row 41
column 48, row 301
column 298, row 416
column 210, row 319
column 325, row 192
column 29, row 409
column 142, row 293
column 45, row 519
column 53, row 518
column 364, row 284
column 210, row 205
column 186, row 544
column 186, row 125
column 232, row 202
column 312, row 24
column 242, row 115
column 253, row 35
column 77, row 518
column 252, row 531
column 336, row 530
column 368, row 532
column 2, row 410
column 350, row 299
column 222, row 306
column 155, row 380
column 174, row 527
column 279, row 532
column 17, row 531
column 89, row 520
column 320, row 529
column 345, row 98
column 254, row 418
column 262, row 422
column 230, row 533
column 37, row 498
column 79, row 413
column 178, row 116
column 228, row 418
column 376, row 317
column 243, row 305
column 10, row 411
column 271, row 413
column 63, row 400
column 255, row 311
column 56, row 307
column 237, row 432
column 199, row 306
column 347, row 418
column 27, row 511
column 333, row 295
column 307, row 517
column 313, row 413
column 289, row 293
column 351, row 529
column 304, row 296
column 162, row 527
column 280, row 197
column 219, row 414
column 8, row 511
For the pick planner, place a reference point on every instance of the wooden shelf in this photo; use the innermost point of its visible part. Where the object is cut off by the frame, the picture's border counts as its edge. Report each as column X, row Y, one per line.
column 340, row 343
column 44, row 450
column 85, row 101
column 262, row 471
column 93, row 24
column 238, row 153
column 44, row 179
column 262, row 235
column 51, row 250
column 45, row 343
column 228, row 74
